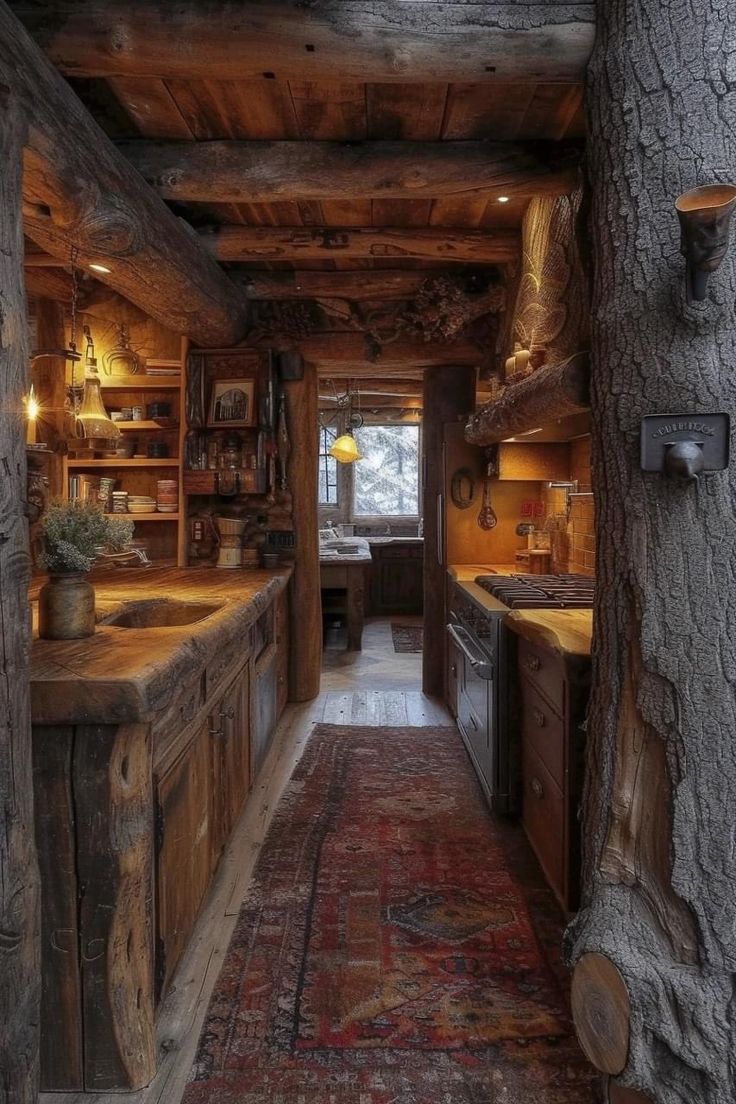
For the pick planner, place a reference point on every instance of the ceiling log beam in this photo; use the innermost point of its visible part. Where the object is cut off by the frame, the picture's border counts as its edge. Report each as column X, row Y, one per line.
column 301, row 244
column 79, row 192
column 362, row 285
column 270, row 172
column 345, row 40
column 353, row 355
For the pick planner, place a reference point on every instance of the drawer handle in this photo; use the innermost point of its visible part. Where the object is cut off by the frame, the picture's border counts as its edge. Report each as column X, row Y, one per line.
column 537, row 788
column 533, row 663
column 539, row 718
column 453, row 670
column 227, row 714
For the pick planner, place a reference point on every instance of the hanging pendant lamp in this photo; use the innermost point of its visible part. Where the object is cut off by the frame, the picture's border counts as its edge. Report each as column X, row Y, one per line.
column 93, row 421
column 345, row 449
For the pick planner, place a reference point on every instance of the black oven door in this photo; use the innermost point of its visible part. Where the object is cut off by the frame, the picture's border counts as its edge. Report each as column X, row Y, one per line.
column 476, row 689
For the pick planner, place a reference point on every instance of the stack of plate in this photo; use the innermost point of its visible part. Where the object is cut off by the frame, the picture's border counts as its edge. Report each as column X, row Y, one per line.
column 141, row 504
column 167, row 495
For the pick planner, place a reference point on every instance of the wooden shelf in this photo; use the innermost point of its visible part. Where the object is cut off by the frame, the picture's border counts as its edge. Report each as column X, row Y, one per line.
column 148, row 425
column 140, row 383
column 134, row 462
column 146, row 517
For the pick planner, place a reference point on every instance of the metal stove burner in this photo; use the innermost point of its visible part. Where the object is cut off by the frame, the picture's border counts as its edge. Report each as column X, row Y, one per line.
column 540, row 591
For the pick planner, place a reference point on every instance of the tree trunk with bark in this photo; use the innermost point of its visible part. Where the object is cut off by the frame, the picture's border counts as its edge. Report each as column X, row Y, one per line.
column 20, row 967
column 654, row 943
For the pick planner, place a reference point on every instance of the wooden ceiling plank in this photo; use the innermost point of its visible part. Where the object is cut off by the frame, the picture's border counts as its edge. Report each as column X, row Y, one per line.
column 465, row 211
column 151, row 107
column 551, row 111
column 215, row 109
column 400, row 212
column 154, row 259
column 243, row 171
column 340, row 39
column 329, row 110
column 339, row 212
column 407, row 112
column 246, row 243
column 477, row 111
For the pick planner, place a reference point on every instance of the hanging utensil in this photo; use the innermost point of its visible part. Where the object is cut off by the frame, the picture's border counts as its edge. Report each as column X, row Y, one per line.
column 487, row 517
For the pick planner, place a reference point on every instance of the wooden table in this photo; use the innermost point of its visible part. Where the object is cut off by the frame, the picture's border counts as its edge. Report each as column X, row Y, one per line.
column 348, row 573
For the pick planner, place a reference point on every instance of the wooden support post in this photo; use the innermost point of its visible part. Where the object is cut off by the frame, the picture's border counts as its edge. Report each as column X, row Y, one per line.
column 306, row 602
column 659, row 816
column 449, row 396
column 20, row 967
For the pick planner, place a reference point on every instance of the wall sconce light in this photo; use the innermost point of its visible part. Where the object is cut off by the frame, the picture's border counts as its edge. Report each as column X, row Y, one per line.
column 705, row 218
column 33, row 409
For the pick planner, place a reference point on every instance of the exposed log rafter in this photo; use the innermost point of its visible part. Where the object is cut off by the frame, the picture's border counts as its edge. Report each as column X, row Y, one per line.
column 265, row 172
column 346, row 40
column 305, row 244
column 80, row 192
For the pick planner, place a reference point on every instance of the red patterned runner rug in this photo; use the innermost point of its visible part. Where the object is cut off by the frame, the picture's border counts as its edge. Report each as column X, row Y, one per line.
column 397, row 945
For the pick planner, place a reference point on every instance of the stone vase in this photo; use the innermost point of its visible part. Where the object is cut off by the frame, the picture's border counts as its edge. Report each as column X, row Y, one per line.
column 66, row 607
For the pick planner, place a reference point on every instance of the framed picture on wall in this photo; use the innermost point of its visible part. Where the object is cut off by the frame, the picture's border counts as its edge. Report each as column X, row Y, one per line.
column 232, row 403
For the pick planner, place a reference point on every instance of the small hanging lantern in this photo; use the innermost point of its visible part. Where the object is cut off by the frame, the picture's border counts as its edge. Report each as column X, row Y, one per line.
column 93, row 421
column 345, row 449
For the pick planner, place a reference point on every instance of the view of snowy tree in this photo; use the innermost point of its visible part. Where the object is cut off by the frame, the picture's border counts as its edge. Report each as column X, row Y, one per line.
column 387, row 478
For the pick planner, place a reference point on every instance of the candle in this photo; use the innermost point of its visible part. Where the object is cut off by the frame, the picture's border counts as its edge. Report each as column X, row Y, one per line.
column 32, row 412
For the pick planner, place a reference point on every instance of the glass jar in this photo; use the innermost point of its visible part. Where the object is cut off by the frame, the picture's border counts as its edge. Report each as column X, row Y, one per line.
column 232, row 452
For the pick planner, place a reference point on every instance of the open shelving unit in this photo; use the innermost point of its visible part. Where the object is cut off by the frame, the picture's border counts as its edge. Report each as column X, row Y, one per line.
column 160, row 532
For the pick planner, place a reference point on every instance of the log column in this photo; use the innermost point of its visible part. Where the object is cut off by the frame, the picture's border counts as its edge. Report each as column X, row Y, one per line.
column 659, row 811
column 20, row 968
column 306, row 601
column 449, row 396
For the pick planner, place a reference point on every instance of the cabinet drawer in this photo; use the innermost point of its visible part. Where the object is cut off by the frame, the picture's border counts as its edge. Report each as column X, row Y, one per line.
column 543, row 817
column 543, row 730
column 545, row 670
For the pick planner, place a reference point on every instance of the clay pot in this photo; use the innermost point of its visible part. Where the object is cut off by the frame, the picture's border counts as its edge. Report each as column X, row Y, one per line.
column 66, row 608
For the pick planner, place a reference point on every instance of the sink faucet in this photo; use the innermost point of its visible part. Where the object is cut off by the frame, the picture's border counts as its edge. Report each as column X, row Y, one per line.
column 123, row 559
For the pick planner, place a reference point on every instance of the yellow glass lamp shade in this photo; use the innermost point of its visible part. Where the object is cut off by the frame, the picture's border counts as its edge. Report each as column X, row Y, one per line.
column 345, row 449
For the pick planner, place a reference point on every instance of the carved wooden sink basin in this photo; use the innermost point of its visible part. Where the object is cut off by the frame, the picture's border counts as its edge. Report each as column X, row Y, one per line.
column 161, row 613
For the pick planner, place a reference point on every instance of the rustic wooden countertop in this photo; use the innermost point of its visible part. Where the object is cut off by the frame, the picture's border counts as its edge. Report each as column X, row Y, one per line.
column 567, row 632
column 130, row 674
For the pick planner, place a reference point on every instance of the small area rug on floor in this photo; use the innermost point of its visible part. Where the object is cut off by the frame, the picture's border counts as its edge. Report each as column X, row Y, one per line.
column 396, row 947
column 407, row 638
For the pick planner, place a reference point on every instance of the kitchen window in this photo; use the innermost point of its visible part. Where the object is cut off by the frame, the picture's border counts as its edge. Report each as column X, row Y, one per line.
column 386, row 480
column 328, row 495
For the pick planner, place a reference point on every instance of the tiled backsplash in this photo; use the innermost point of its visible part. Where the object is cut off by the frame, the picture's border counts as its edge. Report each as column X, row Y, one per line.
column 581, row 529
column 574, row 544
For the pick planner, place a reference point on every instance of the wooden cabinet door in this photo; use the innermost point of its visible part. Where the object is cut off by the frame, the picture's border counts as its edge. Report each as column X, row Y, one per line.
column 282, row 654
column 264, row 707
column 230, row 736
column 398, row 583
column 183, row 863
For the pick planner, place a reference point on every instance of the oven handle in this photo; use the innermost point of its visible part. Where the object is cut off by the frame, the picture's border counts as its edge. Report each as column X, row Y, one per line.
column 482, row 667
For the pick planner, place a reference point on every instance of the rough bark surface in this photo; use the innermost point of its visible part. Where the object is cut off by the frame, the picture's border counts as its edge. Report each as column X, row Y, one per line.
column 345, row 40
column 659, row 813
column 20, row 968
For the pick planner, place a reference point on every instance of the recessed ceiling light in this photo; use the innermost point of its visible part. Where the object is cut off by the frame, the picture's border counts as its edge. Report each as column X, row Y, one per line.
column 503, row 199
column 99, row 268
